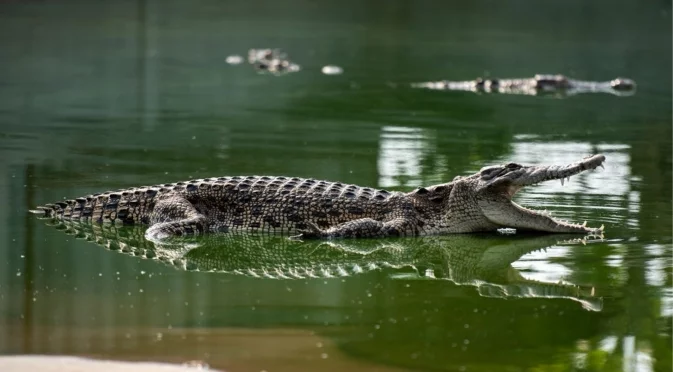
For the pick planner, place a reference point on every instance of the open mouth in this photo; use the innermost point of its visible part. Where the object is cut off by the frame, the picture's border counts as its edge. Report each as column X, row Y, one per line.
column 515, row 177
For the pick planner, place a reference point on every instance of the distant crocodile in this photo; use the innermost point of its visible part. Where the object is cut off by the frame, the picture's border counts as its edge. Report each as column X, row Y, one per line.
column 482, row 261
column 321, row 209
column 273, row 61
column 537, row 85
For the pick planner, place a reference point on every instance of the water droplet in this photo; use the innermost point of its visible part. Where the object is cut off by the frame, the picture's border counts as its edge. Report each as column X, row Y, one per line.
column 234, row 59
column 332, row 70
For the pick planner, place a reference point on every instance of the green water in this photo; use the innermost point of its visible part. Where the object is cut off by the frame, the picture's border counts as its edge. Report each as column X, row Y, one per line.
column 104, row 95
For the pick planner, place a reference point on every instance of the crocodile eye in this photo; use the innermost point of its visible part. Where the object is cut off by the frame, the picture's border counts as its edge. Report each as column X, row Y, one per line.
column 513, row 166
column 487, row 173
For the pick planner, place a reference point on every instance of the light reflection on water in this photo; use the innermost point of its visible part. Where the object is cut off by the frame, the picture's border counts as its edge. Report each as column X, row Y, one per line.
column 401, row 151
column 539, row 266
column 667, row 301
column 656, row 267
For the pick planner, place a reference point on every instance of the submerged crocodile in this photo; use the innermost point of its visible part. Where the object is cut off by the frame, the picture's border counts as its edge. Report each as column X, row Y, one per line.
column 479, row 260
column 537, row 85
column 273, row 61
column 321, row 209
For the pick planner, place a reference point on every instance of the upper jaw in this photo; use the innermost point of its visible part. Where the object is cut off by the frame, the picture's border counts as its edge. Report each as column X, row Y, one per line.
column 530, row 175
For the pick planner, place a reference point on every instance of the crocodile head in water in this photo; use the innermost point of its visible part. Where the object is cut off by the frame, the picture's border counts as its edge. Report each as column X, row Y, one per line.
column 493, row 188
column 623, row 84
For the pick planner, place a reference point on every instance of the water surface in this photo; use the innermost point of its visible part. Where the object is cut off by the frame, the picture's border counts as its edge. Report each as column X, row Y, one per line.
column 97, row 96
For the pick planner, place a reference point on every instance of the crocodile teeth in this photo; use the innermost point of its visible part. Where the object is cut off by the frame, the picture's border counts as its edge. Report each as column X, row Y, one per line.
column 584, row 224
column 562, row 180
column 601, row 165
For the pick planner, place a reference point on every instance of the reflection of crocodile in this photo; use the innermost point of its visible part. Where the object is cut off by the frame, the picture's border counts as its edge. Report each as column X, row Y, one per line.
column 476, row 260
column 537, row 85
column 320, row 209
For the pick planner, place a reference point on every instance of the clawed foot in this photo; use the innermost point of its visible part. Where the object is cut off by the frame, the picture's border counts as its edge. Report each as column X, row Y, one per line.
column 156, row 234
column 186, row 228
column 312, row 231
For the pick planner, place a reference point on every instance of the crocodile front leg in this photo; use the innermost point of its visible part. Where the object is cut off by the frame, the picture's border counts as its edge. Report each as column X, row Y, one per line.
column 175, row 216
column 361, row 228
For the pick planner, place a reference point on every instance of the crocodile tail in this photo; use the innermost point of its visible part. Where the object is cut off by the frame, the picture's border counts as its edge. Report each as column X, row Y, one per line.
column 41, row 211
column 112, row 206
column 49, row 210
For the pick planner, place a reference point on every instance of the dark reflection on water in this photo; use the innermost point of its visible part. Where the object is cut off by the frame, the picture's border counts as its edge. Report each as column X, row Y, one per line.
column 97, row 96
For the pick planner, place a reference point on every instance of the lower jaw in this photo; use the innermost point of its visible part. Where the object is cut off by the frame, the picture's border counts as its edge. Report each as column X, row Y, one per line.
column 530, row 220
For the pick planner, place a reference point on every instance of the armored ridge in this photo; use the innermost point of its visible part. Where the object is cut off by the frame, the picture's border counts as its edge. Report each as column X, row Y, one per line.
column 321, row 209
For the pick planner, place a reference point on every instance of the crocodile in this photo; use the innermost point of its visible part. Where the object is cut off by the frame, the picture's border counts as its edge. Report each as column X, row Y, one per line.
column 273, row 61
column 308, row 208
column 559, row 85
column 482, row 261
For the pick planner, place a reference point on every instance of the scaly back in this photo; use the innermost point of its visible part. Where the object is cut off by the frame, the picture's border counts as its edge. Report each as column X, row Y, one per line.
column 248, row 202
